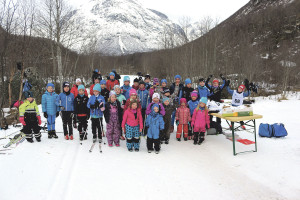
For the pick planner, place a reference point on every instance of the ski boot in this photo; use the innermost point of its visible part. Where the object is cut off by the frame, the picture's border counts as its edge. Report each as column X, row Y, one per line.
column 29, row 140
column 50, row 134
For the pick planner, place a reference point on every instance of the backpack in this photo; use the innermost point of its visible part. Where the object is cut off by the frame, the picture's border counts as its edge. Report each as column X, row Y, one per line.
column 274, row 130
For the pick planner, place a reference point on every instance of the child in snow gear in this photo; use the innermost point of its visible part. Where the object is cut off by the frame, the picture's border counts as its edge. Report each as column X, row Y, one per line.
column 155, row 124
column 169, row 109
column 215, row 91
column 175, row 90
column 136, row 84
column 156, row 88
column 113, row 117
column 155, row 100
column 30, row 118
column 82, row 112
column 193, row 103
column 133, row 96
column 121, row 98
column 187, row 90
column 183, row 117
column 200, row 121
column 143, row 96
column 96, row 75
column 148, row 82
column 65, row 101
column 50, row 109
column 132, row 126
column 111, row 82
column 104, row 90
column 126, row 87
column 96, row 81
column 238, row 98
column 96, row 104
column 74, row 89
column 202, row 89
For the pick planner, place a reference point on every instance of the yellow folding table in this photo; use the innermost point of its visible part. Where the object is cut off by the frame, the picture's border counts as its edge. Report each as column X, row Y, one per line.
column 232, row 120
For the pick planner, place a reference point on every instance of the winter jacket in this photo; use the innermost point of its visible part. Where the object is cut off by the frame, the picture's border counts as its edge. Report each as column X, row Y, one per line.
column 96, row 112
column 172, row 89
column 186, row 93
column 215, row 92
column 202, row 92
column 161, row 109
column 237, row 98
column 135, row 87
column 80, row 106
column 192, row 106
column 127, row 104
column 110, row 84
column 125, row 91
column 74, row 90
column 49, row 103
column 148, row 86
column 108, row 109
column 155, row 123
column 183, row 115
column 66, row 101
column 200, row 120
column 130, row 119
column 144, row 98
column 169, row 111
column 29, row 112
column 105, row 93
column 155, row 89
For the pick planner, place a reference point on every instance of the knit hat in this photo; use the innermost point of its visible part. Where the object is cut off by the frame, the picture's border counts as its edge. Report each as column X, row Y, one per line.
column 156, row 95
column 136, row 80
column 50, row 85
column 81, row 87
column 216, row 81
column 142, row 82
column 97, row 87
column 112, row 93
column 177, row 76
column 194, row 93
column 166, row 90
column 155, row 105
column 96, row 70
column 242, row 87
column 203, row 100
column 187, row 81
column 112, row 74
column 201, row 80
column 28, row 94
column 66, row 84
column 182, row 100
column 132, row 92
column 166, row 99
column 126, row 78
column 155, row 81
column 164, row 81
column 147, row 76
column 103, row 82
column 117, row 86
column 78, row 80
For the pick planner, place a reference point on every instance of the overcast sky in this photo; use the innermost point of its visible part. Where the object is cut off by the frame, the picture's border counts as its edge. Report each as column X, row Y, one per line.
column 196, row 9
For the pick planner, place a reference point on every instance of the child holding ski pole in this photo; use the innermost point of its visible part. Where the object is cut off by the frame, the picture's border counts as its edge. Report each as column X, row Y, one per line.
column 200, row 121
column 50, row 109
column 132, row 126
column 155, row 124
column 82, row 112
column 183, row 117
column 30, row 118
column 113, row 116
column 96, row 104
column 65, row 101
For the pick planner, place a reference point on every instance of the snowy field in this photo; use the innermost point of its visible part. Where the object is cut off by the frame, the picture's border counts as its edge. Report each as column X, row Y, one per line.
column 58, row 169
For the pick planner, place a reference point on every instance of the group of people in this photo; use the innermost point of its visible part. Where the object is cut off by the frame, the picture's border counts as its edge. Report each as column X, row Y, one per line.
column 147, row 108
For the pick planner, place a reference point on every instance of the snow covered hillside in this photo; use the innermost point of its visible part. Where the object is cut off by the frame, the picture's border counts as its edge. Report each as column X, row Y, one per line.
column 60, row 169
column 124, row 26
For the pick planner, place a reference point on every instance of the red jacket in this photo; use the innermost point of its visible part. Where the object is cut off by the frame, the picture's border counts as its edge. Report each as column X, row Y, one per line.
column 183, row 115
column 74, row 90
column 111, row 84
column 130, row 119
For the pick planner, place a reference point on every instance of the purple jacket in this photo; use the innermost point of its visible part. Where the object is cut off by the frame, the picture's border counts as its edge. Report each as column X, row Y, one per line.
column 161, row 109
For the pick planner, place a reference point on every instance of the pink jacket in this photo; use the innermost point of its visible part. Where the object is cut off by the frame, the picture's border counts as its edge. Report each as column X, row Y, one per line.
column 183, row 115
column 200, row 120
column 129, row 118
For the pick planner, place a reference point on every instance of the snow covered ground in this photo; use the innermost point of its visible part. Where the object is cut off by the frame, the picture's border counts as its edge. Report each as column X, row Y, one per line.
column 60, row 169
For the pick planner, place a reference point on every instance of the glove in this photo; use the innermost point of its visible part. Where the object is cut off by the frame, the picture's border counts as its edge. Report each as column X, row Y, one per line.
column 227, row 83
column 21, row 119
column 246, row 81
column 57, row 114
column 45, row 115
column 97, row 104
column 62, row 108
column 101, row 105
column 222, row 76
column 177, row 122
column 39, row 119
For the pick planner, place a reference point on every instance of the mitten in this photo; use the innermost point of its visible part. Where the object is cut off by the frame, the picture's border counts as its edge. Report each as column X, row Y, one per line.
column 21, row 119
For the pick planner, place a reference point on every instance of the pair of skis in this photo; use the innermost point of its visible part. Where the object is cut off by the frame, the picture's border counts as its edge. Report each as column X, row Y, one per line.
column 17, row 139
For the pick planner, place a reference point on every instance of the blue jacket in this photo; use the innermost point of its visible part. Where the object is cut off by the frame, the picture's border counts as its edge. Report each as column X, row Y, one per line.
column 148, row 86
column 203, row 92
column 67, row 101
column 96, row 113
column 126, row 90
column 48, row 103
column 155, row 122
column 144, row 98
column 192, row 106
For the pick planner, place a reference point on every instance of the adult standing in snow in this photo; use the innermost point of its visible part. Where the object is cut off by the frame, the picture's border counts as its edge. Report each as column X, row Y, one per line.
column 74, row 89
